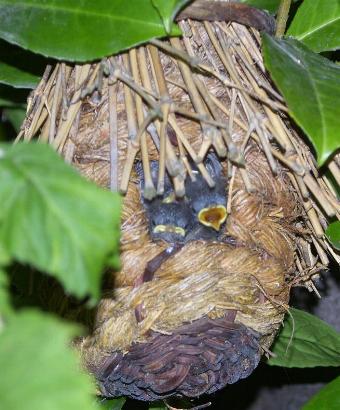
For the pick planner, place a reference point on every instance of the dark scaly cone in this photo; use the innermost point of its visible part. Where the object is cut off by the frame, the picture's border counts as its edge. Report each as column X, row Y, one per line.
column 199, row 358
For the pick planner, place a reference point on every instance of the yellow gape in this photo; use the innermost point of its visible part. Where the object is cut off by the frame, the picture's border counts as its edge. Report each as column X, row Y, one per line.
column 170, row 229
column 213, row 216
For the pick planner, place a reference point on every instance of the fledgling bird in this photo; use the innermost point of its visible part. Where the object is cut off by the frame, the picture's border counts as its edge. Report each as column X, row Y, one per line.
column 198, row 216
column 209, row 205
column 170, row 219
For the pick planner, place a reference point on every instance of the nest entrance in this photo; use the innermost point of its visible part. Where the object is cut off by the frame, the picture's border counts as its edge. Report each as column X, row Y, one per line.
column 215, row 304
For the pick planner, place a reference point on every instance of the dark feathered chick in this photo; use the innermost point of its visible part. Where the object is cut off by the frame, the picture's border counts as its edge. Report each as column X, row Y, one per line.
column 171, row 222
column 208, row 204
column 170, row 219
column 198, row 216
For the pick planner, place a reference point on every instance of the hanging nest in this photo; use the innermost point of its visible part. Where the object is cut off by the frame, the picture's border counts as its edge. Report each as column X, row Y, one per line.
column 223, row 211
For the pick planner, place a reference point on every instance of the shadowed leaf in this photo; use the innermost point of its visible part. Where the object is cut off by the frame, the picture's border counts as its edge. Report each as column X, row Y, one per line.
column 75, row 31
column 333, row 234
column 168, row 9
column 298, row 72
column 54, row 219
column 317, row 24
column 41, row 371
column 328, row 398
column 312, row 343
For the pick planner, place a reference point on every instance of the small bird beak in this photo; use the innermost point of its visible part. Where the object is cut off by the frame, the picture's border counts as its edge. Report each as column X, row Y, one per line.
column 213, row 216
column 169, row 229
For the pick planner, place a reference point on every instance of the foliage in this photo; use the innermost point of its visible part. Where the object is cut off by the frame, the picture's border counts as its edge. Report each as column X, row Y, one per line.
column 327, row 399
column 297, row 71
column 113, row 404
column 333, row 234
column 317, row 24
column 64, row 30
column 53, row 219
column 269, row 5
column 15, row 115
column 168, row 10
column 57, row 222
column 19, row 68
column 306, row 341
column 40, row 371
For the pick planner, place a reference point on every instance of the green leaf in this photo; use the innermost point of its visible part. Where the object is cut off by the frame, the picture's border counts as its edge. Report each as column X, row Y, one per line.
column 333, row 234
column 67, row 29
column 12, row 97
column 328, row 398
column 313, row 343
column 310, row 85
column 16, row 78
column 157, row 406
column 113, row 404
column 20, row 68
column 317, row 24
column 39, row 370
column 5, row 306
column 15, row 116
column 269, row 5
column 168, row 10
column 55, row 220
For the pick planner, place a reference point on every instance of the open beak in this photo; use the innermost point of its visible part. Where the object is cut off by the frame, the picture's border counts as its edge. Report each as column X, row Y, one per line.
column 213, row 216
column 169, row 229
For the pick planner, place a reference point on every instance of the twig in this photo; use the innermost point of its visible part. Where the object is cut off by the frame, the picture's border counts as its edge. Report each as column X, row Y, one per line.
column 113, row 132
column 282, row 17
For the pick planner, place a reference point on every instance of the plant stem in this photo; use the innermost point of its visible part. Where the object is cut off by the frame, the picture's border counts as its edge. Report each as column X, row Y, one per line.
column 282, row 17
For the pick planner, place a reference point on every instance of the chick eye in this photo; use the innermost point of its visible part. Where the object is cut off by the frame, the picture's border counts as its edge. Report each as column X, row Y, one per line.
column 153, row 223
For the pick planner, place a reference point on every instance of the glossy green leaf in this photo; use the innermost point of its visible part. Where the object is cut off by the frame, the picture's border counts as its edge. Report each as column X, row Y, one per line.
column 168, row 10
column 157, row 406
column 39, row 370
column 113, row 404
column 16, row 78
column 5, row 306
column 20, row 68
column 55, row 220
column 79, row 30
column 333, row 234
column 328, row 398
column 310, row 85
column 317, row 24
column 15, row 116
column 313, row 342
column 12, row 97
column 269, row 5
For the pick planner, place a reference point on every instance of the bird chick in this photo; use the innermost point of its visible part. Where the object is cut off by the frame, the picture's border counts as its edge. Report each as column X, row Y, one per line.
column 209, row 205
column 199, row 216
column 169, row 221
